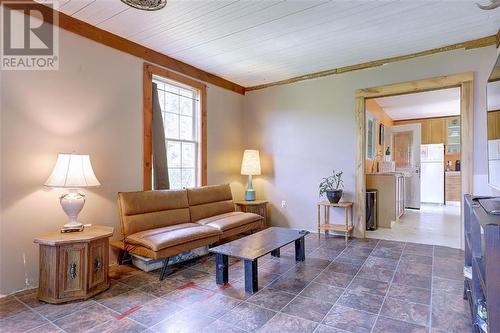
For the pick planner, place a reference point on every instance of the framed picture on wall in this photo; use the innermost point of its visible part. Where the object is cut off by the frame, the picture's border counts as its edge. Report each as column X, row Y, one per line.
column 381, row 132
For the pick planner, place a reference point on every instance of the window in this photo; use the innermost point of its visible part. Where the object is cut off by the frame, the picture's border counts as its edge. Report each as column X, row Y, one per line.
column 371, row 136
column 402, row 143
column 183, row 105
column 179, row 105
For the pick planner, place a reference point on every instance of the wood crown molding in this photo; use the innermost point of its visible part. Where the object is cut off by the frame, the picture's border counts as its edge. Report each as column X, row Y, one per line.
column 471, row 44
column 439, row 82
column 422, row 119
column 101, row 36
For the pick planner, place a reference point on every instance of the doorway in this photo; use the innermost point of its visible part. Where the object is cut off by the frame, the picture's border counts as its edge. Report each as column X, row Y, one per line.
column 464, row 83
column 422, row 146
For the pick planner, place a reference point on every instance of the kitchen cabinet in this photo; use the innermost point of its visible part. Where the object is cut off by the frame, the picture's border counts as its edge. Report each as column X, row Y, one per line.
column 497, row 124
column 453, row 135
column 426, row 132
column 493, row 125
column 390, row 199
column 452, row 186
column 437, row 131
column 433, row 130
column 400, row 195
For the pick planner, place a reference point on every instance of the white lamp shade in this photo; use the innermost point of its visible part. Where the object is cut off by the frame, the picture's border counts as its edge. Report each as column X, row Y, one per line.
column 251, row 163
column 72, row 171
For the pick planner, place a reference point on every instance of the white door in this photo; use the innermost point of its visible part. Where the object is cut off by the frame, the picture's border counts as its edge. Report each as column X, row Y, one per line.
column 406, row 154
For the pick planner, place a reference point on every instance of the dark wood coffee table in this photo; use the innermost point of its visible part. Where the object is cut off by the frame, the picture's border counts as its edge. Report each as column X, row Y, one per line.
column 252, row 247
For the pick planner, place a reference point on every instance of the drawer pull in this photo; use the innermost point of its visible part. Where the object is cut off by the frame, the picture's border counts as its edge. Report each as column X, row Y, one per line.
column 72, row 270
column 97, row 264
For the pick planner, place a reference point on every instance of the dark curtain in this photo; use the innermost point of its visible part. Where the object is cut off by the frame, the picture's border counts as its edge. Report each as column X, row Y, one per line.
column 160, row 167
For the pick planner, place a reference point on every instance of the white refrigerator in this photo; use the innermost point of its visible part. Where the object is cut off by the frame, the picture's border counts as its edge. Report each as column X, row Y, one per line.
column 432, row 173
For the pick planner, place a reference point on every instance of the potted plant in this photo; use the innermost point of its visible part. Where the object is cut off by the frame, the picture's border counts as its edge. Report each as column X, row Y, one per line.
column 332, row 186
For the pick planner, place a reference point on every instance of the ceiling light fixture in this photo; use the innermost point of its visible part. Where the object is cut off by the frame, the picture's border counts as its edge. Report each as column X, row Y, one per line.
column 146, row 4
column 493, row 4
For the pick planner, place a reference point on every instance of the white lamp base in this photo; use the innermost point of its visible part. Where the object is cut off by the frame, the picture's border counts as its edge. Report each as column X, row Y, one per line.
column 72, row 203
column 73, row 225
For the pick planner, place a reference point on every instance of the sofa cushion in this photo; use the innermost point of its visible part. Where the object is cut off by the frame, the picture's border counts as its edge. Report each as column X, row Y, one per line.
column 208, row 201
column 161, row 238
column 144, row 210
column 152, row 201
column 211, row 193
column 230, row 220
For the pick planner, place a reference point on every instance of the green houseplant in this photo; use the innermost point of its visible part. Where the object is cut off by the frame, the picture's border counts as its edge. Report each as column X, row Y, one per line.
column 332, row 186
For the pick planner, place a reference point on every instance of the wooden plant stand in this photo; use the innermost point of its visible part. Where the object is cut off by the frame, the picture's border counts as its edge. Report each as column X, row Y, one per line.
column 327, row 226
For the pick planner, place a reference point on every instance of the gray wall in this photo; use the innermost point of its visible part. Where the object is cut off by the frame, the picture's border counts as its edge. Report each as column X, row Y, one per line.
column 306, row 129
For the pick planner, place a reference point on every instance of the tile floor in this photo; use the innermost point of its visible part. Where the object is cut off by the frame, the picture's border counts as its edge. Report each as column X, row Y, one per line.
column 368, row 286
column 432, row 224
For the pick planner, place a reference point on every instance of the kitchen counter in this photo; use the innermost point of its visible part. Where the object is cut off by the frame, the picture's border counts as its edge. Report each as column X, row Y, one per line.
column 452, row 185
column 383, row 173
column 390, row 198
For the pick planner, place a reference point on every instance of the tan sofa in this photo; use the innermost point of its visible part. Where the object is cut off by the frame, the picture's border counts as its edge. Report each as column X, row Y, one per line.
column 161, row 224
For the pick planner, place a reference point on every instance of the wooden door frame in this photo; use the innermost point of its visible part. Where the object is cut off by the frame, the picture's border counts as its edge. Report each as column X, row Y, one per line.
column 149, row 71
column 465, row 82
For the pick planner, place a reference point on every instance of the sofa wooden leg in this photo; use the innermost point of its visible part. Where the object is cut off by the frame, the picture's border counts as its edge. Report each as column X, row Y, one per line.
column 164, row 268
column 123, row 257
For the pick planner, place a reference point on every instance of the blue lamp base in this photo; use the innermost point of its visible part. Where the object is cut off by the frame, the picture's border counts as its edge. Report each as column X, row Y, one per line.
column 250, row 195
column 250, row 192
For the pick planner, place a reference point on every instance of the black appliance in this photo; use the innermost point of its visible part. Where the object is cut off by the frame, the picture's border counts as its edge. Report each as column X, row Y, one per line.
column 371, row 209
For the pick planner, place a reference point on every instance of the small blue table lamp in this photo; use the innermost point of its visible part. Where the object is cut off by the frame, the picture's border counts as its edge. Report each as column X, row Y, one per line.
column 250, row 167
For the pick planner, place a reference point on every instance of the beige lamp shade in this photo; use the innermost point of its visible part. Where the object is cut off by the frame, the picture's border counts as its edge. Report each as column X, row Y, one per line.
column 251, row 163
column 72, row 171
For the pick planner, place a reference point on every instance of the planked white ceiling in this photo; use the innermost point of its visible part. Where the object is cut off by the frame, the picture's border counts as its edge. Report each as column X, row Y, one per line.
column 437, row 103
column 252, row 42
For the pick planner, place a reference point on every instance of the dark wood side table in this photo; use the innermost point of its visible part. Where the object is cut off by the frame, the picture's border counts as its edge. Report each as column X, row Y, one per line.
column 73, row 266
column 257, row 207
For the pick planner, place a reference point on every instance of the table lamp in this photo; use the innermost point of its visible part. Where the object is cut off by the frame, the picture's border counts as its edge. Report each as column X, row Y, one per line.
column 250, row 167
column 72, row 171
